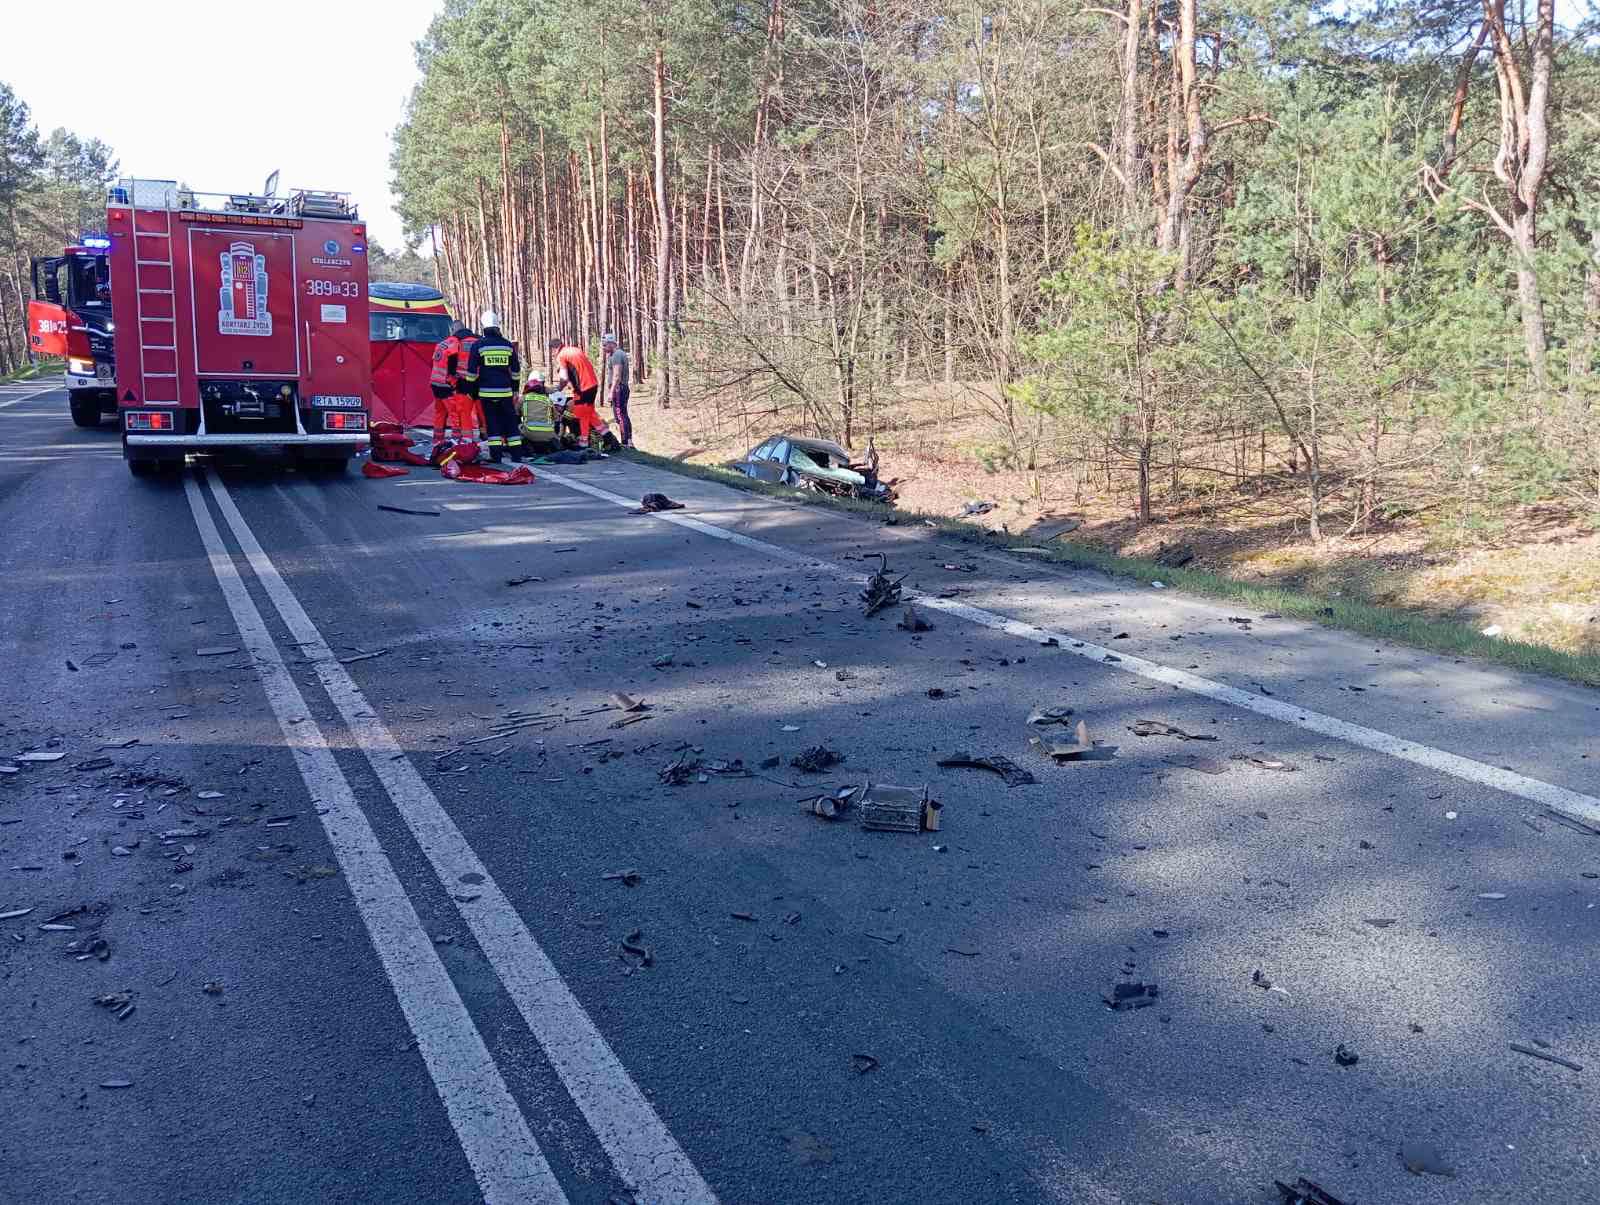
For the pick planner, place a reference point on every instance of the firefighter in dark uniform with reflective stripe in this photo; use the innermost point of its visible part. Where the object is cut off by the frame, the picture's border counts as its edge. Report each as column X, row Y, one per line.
column 493, row 373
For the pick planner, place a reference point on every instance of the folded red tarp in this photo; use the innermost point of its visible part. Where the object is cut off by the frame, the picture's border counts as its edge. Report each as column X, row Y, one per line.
column 391, row 443
column 483, row 475
column 382, row 470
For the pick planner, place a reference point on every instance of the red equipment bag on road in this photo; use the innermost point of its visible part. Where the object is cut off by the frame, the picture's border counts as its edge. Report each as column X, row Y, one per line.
column 391, row 444
column 383, row 470
column 454, row 451
column 484, row 475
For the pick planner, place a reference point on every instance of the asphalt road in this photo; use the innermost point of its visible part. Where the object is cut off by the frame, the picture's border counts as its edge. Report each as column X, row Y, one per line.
column 278, row 707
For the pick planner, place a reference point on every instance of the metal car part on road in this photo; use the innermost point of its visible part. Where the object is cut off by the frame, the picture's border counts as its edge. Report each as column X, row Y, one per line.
column 1581, row 807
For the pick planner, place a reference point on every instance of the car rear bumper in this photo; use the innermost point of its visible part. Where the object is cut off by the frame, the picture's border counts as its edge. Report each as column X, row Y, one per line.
column 198, row 443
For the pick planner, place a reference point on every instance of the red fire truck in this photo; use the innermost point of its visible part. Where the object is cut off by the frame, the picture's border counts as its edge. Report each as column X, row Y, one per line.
column 241, row 321
column 70, row 317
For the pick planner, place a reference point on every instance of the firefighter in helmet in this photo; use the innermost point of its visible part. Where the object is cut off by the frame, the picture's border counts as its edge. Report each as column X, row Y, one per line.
column 491, row 374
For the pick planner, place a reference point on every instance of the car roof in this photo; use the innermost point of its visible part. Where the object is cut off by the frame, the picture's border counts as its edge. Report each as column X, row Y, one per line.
column 817, row 445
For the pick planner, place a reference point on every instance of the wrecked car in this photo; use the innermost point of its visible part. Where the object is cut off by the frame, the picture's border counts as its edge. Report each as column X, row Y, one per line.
column 816, row 464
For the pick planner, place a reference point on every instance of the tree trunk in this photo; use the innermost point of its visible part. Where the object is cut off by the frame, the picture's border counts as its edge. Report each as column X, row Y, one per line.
column 1128, row 118
column 1144, row 452
column 1522, row 158
column 1186, row 151
column 663, row 229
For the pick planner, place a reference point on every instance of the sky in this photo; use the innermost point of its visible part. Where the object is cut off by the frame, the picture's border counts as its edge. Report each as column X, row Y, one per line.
column 313, row 89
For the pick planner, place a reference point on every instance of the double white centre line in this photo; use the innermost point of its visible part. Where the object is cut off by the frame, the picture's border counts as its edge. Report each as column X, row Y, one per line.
column 502, row 1152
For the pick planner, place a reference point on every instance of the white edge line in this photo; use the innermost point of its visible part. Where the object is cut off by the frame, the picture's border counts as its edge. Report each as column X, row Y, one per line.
column 501, row 1150
column 642, row 1150
column 1585, row 808
column 28, row 397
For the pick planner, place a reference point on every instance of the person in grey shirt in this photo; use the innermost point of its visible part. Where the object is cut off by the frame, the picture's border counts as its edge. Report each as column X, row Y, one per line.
column 617, row 386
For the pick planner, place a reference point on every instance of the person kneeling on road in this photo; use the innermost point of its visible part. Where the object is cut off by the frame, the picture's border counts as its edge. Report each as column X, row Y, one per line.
column 577, row 370
column 537, row 424
column 492, row 372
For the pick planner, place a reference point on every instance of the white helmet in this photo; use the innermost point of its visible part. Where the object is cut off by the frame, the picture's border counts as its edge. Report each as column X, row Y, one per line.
column 487, row 319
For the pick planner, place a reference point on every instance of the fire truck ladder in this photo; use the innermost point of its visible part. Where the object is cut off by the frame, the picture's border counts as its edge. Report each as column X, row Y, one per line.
column 155, row 283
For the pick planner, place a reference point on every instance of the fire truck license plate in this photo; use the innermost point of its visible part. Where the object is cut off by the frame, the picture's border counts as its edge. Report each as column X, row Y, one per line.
column 348, row 400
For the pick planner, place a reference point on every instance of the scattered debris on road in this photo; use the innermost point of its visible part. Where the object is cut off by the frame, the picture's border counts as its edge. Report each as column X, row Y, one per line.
column 652, row 503
column 829, row 807
column 1157, row 728
column 1014, row 775
column 351, row 660
column 816, row 759
column 1344, row 1056
column 912, row 620
column 863, row 1063
column 1535, row 1052
column 1126, row 996
column 212, row 987
column 1264, row 763
column 881, row 591
column 977, row 508
column 885, row 808
column 633, row 947
column 217, row 650
column 1304, row 1192
column 1040, row 740
column 408, row 510
column 119, row 1004
column 1266, row 984
column 628, row 878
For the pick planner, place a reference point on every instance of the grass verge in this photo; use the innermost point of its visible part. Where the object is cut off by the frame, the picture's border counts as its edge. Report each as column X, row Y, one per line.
column 1414, row 628
column 32, row 372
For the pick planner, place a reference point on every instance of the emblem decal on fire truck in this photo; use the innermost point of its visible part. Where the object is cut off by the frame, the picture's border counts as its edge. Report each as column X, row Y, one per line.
column 244, row 292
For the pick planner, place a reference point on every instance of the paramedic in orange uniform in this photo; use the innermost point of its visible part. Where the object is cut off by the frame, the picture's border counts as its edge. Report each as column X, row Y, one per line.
column 451, row 407
column 575, row 368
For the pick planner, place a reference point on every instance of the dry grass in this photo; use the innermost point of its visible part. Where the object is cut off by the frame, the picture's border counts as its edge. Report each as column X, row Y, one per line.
column 1539, row 581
